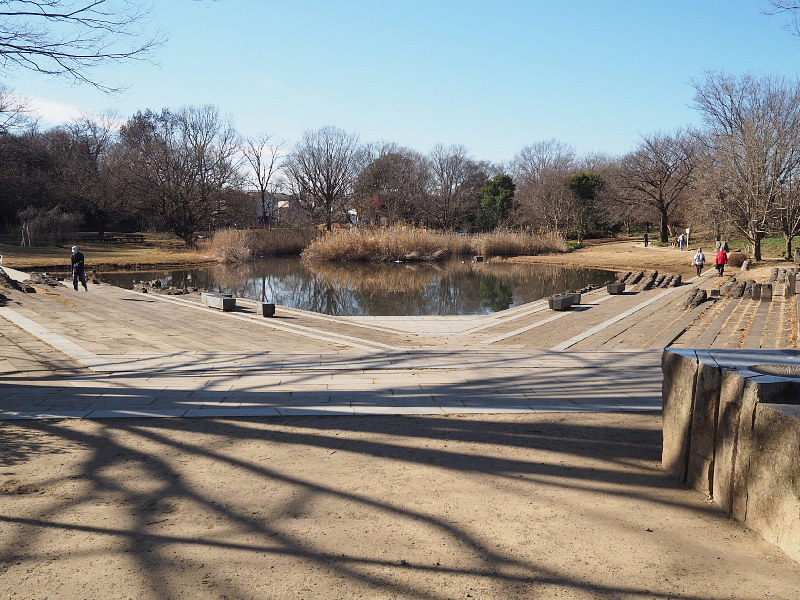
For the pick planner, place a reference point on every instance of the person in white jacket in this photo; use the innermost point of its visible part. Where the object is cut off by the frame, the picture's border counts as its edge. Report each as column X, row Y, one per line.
column 699, row 261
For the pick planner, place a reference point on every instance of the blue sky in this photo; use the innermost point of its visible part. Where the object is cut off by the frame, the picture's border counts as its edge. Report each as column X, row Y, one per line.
column 492, row 75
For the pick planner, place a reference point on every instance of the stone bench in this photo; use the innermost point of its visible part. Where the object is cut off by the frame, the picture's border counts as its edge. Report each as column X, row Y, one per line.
column 224, row 302
column 563, row 302
column 615, row 288
column 732, row 431
column 267, row 309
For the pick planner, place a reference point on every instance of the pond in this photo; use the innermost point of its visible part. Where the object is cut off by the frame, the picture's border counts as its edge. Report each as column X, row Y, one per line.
column 454, row 287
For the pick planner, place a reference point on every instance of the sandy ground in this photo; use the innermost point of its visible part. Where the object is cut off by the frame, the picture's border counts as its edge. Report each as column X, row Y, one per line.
column 511, row 506
column 630, row 256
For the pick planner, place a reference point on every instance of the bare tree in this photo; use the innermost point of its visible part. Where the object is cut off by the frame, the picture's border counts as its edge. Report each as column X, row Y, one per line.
column 658, row 175
column 754, row 131
column 69, row 37
column 14, row 112
column 322, row 170
column 91, row 165
column 393, row 183
column 456, row 181
column 264, row 156
column 540, row 171
column 181, row 166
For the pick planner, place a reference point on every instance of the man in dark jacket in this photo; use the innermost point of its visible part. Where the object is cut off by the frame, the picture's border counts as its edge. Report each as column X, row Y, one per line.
column 78, row 272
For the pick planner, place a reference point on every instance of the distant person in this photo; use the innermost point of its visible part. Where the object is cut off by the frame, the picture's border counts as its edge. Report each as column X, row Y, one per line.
column 699, row 261
column 681, row 242
column 646, row 240
column 78, row 269
column 722, row 260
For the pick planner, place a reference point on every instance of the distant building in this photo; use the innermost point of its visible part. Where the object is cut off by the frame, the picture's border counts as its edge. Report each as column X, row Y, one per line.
column 277, row 205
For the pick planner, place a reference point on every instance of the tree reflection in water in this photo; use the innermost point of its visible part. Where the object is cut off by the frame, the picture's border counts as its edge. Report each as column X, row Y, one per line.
column 454, row 287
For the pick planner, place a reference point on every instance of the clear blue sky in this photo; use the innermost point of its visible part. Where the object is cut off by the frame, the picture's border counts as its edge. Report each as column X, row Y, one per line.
column 492, row 75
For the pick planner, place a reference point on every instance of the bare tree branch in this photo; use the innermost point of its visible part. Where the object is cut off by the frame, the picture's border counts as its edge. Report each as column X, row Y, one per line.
column 70, row 38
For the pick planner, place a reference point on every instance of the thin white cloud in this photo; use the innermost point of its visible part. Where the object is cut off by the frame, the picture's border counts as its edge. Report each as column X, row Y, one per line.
column 57, row 113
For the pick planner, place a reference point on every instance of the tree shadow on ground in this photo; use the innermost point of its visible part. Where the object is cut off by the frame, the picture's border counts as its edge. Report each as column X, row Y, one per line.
column 119, row 452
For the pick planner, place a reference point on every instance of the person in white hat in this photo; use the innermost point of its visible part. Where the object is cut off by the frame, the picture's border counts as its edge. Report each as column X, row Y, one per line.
column 78, row 270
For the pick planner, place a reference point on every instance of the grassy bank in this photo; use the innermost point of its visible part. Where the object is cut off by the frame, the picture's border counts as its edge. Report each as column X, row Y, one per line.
column 157, row 250
column 409, row 244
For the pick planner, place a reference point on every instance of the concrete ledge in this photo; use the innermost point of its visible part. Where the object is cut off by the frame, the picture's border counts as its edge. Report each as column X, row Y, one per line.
column 224, row 302
column 732, row 431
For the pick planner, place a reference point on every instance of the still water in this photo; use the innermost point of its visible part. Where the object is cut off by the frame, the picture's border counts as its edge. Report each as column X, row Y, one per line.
column 455, row 287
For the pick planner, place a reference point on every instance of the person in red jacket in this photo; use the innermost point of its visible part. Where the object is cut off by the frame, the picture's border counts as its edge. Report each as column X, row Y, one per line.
column 722, row 260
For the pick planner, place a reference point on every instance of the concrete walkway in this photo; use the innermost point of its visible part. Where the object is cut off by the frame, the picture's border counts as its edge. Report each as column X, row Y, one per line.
column 118, row 353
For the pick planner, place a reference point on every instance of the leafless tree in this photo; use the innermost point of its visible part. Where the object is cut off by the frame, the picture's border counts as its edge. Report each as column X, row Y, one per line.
column 456, row 181
column 393, row 183
column 264, row 156
column 14, row 112
column 754, row 131
column 658, row 175
column 539, row 171
column 90, row 165
column 322, row 170
column 70, row 37
column 181, row 166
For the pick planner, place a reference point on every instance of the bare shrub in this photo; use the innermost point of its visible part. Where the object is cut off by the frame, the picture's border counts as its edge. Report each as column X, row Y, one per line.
column 736, row 259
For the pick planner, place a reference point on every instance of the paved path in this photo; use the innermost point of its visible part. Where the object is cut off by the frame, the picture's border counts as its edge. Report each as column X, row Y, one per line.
column 117, row 353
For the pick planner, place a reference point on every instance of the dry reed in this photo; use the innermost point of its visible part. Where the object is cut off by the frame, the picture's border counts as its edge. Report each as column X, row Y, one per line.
column 409, row 244
column 241, row 245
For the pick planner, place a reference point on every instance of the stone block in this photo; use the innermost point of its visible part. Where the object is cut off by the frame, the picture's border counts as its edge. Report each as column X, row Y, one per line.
column 615, row 288
column 478, row 259
column 224, row 302
column 773, row 274
column 560, row 302
column 677, row 393
column 635, row 278
column 745, row 266
column 700, row 465
column 766, row 292
column 790, row 287
column 714, row 293
column 677, row 280
column 773, row 489
column 624, row 277
column 576, row 297
column 267, row 309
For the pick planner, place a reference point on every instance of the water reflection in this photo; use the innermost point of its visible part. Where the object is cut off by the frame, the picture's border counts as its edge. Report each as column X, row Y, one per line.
column 451, row 288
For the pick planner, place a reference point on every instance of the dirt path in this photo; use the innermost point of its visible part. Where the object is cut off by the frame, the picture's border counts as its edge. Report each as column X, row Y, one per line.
column 626, row 256
column 514, row 506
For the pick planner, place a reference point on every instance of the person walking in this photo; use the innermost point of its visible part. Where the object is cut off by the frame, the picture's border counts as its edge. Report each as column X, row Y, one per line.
column 722, row 260
column 646, row 239
column 78, row 269
column 681, row 242
column 699, row 261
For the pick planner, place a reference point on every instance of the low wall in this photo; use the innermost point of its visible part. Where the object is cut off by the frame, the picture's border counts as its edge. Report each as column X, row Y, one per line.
column 732, row 431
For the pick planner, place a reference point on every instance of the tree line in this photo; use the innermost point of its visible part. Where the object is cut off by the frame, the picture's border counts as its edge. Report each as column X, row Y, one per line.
column 188, row 170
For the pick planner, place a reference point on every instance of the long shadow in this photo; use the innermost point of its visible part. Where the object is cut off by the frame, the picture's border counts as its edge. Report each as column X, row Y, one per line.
column 120, row 444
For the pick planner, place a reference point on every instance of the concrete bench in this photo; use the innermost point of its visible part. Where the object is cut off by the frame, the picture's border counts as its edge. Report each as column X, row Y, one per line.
column 615, row 288
column 267, row 309
column 224, row 302
column 560, row 302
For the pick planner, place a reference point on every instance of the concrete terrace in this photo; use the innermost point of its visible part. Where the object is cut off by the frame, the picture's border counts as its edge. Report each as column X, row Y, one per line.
column 119, row 353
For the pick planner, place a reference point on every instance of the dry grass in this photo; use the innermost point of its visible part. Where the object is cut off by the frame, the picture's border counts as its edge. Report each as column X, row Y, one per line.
column 241, row 245
column 158, row 250
column 411, row 244
column 510, row 243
